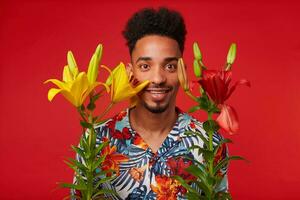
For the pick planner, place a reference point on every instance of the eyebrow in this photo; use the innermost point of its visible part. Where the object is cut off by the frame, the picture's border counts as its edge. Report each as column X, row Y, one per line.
column 167, row 59
column 143, row 59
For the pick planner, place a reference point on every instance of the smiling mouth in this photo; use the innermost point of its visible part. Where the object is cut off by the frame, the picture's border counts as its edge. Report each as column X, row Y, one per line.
column 158, row 94
column 158, row 90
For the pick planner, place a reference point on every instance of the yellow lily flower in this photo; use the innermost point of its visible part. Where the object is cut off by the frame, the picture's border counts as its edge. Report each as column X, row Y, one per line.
column 76, row 86
column 121, row 87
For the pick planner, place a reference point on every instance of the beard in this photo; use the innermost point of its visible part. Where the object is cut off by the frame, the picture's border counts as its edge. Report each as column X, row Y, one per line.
column 159, row 108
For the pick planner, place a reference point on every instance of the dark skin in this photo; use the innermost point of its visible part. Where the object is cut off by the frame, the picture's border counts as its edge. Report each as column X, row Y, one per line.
column 154, row 58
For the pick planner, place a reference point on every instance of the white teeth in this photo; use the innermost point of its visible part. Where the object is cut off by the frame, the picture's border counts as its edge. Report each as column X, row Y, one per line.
column 158, row 92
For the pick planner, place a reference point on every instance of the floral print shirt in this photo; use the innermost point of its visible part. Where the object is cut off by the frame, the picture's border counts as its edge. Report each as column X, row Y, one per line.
column 142, row 174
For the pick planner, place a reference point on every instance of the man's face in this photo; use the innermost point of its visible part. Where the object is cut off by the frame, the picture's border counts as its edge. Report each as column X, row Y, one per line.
column 154, row 58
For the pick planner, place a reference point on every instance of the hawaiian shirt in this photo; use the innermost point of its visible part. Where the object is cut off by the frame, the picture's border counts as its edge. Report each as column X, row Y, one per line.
column 144, row 174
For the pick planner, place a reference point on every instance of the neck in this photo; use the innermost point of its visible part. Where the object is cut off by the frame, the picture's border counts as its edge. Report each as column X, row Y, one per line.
column 156, row 124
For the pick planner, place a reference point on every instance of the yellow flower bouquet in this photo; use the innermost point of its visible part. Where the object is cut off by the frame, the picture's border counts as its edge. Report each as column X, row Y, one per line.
column 78, row 86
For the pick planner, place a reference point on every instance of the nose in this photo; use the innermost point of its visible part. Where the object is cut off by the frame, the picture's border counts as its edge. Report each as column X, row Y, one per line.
column 158, row 76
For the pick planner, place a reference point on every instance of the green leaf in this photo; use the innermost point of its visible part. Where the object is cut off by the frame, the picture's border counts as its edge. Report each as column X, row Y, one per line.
column 218, row 180
column 83, row 144
column 101, row 146
column 78, row 164
column 198, row 164
column 210, row 126
column 194, row 170
column 202, row 186
column 72, row 166
column 91, row 106
column 194, row 108
column 231, row 54
column 195, row 147
column 197, row 68
column 223, row 196
column 106, row 179
column 207, row 154
column 104, row 172
column 104, row 191
column 184, row 184
column 199, row 135
column 86, row 124
column 78, row 150
column 204, row 102
column 193, row 196
column 223, row 141
column 213, row 108
column 98, row 162
column 225, row 161
column 197, row 52
column 73, row 186
column 211, row 180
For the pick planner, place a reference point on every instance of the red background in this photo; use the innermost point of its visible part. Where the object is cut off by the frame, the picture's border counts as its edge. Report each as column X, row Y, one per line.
column 35, row 134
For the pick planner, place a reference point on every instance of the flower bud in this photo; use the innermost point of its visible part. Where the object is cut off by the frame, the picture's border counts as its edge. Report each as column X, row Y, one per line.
column 231, row 54
column 94, row 64
column 197, row 69
column 197, row 52
column 72, row 63
column 182, row 76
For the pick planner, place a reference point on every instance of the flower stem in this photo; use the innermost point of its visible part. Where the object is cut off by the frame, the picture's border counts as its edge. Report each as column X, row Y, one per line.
column 106, row 110
column 188, row 92
column 211, row 158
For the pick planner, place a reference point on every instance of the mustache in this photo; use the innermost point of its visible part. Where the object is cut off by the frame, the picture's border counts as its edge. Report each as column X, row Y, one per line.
column 158, row 87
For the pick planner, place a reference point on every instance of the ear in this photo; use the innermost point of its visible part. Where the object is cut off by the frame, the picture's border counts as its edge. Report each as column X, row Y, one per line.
column 129, row 68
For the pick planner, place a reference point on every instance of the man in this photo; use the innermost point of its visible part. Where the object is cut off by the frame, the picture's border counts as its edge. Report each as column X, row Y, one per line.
column 148, row 140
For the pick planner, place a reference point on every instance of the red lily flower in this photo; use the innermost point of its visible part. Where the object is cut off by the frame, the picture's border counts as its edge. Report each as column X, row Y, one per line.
column 217, row 85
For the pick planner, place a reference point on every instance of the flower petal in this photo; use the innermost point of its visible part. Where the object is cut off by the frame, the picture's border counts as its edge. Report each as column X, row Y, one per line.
column 240, row 82
column 121, row 88
column 53, row 92
column 120, row 78
column 85, row 94
column 58, row 83
column 228, row 119
column 141, row 86
column 79, row 87
column 68, row 95
column 67, row 75
column 119, row 157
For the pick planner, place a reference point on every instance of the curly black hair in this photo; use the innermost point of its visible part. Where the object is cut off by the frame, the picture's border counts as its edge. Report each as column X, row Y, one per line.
column 149, row 21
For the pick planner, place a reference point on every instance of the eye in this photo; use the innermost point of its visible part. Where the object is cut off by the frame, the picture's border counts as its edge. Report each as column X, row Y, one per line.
column 171, row 67
column 144, row 67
